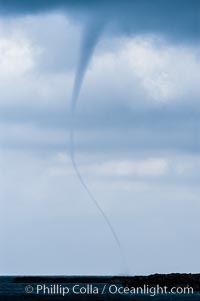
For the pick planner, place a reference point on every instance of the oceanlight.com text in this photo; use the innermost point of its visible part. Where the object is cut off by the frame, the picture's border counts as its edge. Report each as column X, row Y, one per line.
column 109, row 289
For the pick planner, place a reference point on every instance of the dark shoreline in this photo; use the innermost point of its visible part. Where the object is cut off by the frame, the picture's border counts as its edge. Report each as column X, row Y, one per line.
column 170, row 280
column 14, row 287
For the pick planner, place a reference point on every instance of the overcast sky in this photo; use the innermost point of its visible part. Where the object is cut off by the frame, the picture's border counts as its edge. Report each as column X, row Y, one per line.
column 137, row 137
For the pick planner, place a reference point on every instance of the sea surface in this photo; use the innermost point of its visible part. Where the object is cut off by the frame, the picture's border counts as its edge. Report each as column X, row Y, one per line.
column 81, row 288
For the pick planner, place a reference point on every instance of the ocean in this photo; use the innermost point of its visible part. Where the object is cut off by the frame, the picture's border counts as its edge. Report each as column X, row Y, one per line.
column 154, row 287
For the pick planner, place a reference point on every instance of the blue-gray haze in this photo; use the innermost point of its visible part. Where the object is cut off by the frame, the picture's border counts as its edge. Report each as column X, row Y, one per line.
column 137, row 125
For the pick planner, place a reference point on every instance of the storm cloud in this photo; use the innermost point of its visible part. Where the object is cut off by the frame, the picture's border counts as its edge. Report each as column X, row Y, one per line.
column 137, row 125
column 178, row 19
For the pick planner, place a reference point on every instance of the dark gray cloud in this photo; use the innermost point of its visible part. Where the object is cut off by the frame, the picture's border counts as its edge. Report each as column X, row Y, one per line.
column 177, row 18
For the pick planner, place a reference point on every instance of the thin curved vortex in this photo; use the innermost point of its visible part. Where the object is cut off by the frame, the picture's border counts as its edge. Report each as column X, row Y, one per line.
column 83, row 183
column 90, row 39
